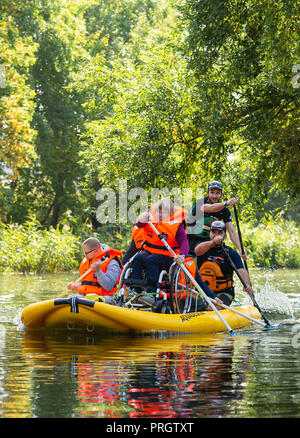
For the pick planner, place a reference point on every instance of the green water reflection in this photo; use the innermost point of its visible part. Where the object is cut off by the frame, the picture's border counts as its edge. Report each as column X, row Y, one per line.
column 252, row 374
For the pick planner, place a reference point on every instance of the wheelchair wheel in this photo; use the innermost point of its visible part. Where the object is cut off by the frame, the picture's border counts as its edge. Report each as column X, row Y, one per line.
column 181, row 289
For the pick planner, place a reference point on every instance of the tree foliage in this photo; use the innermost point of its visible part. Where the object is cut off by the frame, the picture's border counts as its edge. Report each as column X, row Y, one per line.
column 242, row 54
column 16, row 104
column 159, row 93
column 145, row 138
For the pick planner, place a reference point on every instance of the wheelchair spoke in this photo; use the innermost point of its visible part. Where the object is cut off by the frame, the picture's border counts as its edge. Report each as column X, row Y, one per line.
column 180, row 291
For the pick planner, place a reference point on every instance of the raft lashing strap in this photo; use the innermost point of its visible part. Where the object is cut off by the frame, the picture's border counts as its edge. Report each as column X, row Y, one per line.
column 73, row 301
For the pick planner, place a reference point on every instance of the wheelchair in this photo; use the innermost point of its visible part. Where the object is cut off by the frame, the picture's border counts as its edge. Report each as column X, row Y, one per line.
column 174, row 290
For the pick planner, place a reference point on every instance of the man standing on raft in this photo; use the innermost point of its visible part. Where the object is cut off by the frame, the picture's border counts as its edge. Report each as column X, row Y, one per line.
column 204, row 212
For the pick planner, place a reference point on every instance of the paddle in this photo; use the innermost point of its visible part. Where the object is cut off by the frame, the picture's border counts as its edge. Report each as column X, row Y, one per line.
column 77, row 281
column 242, row 314
column 246, row 266
column 240, row 236
column 187, row 272
column 268, row 325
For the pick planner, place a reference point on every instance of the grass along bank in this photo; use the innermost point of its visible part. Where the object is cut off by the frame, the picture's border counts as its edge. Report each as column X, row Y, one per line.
column 272, row 244
column 29, row 248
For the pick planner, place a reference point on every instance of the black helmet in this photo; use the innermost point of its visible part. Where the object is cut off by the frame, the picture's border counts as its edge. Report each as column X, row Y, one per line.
column 215, row 185
column 218, row 225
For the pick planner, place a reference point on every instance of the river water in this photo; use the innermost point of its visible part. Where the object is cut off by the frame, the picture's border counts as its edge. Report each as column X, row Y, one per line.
column 254, row 373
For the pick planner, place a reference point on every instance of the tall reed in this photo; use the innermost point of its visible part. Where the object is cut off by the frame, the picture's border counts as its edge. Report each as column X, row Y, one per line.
column 30, row 248
column 272, row 244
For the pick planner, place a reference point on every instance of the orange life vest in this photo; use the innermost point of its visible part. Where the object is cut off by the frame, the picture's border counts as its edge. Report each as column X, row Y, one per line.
column 169, row 228
column 138, row 236
column 179, row 213
column 90, row 284
column 211, row 273
column 191, row 265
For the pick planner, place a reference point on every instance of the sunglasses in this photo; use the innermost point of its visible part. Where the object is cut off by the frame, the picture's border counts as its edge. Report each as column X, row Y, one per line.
column 87, row 252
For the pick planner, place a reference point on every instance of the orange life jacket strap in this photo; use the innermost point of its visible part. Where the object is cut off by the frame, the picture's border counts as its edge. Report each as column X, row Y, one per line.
column 161, row 247
column 90, row 283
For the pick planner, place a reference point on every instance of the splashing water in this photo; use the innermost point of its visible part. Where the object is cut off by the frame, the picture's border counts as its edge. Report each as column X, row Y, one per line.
column 270, row 299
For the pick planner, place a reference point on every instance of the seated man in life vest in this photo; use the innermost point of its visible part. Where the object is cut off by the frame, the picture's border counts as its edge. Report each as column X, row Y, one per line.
column 215, row 268
column 106, row 269
column 155, row 255
column 138, row 235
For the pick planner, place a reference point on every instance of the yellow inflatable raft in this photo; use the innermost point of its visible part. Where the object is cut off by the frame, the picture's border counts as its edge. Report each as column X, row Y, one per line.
column 82, row 314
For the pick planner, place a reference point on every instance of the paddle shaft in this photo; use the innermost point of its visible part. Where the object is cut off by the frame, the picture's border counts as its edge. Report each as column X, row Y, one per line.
column 77, row 281
column 244, row 284
column 240, row 236
column 187, row 272
column 242, row 314
column 246, row 266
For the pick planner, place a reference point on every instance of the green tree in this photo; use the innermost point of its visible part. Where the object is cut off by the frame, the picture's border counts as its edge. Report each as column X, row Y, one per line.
column 45, row 44
column 76, row 43
column 59, row 113
column 242, row 54
column 116, row 90
column 147, row 136
column 16, row 104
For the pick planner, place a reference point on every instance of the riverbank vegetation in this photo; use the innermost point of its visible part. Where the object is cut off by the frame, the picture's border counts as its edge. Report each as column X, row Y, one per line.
column 30, row 248
column 157, row 93
column 273, row 244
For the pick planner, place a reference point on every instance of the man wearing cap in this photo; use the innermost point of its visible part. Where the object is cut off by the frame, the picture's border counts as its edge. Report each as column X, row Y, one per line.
column 215, row 268
column 204, row 212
